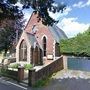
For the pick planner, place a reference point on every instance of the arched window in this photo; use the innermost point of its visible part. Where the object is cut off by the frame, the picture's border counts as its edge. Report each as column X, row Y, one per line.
column 23, row 51
column 44, row 45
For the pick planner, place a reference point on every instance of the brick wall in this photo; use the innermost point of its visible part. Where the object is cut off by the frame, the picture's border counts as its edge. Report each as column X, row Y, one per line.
column 9, row 73
column 12, row 60
column 41, row 31
column 16, row 75
column 46, row 71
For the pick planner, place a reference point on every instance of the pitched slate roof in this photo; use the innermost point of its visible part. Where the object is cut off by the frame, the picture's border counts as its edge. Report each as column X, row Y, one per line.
column 32, row 40
column 57, row 33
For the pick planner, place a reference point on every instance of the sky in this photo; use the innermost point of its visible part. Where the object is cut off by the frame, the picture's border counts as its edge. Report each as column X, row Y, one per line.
column 75, row 18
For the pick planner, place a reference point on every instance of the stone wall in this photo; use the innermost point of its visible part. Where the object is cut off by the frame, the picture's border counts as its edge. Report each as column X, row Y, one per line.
column 46, row 71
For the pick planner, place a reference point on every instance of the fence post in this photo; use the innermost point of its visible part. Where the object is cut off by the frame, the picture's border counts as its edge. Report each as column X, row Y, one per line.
column 31, row 77
column 20, row 73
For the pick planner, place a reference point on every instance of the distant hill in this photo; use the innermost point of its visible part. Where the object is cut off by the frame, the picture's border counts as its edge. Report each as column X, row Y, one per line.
column 79, row 45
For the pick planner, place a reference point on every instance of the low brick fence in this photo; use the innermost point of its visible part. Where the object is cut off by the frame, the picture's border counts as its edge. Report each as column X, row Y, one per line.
column 12, row 60
column 46, row 71
column 9, row 73
column 16, row 75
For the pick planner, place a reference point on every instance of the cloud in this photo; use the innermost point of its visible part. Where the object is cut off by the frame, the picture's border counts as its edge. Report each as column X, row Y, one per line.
column 82, row 4
column 19, row 4
column 79, row 4
column 57, row 15
column 88, row 3
column 71, row 27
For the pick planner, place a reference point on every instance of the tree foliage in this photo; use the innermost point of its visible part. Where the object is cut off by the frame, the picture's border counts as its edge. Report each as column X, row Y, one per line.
column 6, row 36
column 8, row 9
column 79, row 45
column 42, row 7
column 11, row 19
column 8, row 31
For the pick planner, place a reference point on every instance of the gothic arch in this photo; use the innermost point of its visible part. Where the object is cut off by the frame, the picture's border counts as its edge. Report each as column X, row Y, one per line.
column 23, row 51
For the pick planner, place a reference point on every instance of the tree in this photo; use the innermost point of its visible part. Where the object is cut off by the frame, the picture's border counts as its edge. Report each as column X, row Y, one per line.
column 11, row 19
column 9, row 29
column 8, row 36
column 79, row 45
column 9, row 9
column 42, row 8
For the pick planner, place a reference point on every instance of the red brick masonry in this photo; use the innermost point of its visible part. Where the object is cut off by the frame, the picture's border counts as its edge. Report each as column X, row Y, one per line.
column 42, row 30
column 46, row 71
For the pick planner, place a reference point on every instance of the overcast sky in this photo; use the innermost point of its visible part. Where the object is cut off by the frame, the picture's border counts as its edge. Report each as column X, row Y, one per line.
column 75, row 19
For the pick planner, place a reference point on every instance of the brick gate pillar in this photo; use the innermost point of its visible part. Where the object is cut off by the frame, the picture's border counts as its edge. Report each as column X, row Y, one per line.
column 31, row 77
column 20, row 73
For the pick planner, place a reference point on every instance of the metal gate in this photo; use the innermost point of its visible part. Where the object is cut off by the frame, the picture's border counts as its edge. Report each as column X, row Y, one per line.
column 78, row 63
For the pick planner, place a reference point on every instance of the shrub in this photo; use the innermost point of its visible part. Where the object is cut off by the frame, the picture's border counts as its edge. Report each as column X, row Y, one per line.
column 28, row 66
column 43, row 82
column 14, row 66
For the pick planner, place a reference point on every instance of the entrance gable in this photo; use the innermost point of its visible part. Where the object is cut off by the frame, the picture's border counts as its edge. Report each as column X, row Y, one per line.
column 23, row 48
column 23, row 37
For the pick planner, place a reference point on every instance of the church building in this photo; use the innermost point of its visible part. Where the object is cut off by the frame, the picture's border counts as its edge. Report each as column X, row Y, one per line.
column 38, row 42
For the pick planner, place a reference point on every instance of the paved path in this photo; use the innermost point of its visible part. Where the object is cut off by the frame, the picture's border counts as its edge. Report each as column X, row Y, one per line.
column 69, row 80
column 68, row 84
